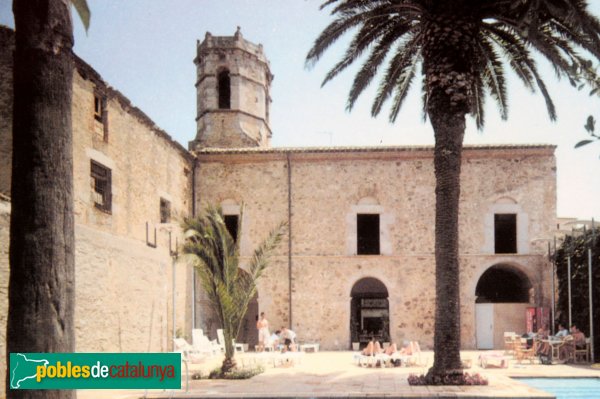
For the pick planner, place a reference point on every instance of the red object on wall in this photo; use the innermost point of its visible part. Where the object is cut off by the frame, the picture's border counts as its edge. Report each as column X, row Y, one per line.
column 531, row 319
column 537, row 318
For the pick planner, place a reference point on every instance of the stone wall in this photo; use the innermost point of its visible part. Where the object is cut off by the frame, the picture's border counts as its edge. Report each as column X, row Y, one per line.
column 508, row 315
column 124, row 294
column 116, row 267
column 329, row 187
column 145, row 163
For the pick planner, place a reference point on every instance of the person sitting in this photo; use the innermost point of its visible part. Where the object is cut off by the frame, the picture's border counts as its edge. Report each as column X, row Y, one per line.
column 578, row 337
column 541, row 344
column 576, row 340
column 289, row 339
column 562, row 331
column 274, row 339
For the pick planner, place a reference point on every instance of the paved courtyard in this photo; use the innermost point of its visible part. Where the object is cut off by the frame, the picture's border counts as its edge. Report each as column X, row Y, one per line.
column 335, row 375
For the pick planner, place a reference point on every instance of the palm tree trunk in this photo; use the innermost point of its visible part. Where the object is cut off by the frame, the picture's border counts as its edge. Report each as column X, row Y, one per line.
column 41, row 286
column 229, row 361
column 448, row 68
column 449, row 131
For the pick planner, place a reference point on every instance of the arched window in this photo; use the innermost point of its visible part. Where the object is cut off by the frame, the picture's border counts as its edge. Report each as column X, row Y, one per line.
column 224, row 90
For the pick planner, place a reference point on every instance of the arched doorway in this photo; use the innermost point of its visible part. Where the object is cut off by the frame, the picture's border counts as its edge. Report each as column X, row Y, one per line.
column 502, row 284
column 369, row 311
column 502, row 295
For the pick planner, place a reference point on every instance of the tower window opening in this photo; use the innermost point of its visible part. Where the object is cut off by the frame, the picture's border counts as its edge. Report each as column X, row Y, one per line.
column 505, row 233
column 224, row 90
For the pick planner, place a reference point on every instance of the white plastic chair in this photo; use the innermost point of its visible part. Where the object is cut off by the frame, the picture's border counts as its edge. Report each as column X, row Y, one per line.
column 188, row 351
column 202, row 344
column 221, row 337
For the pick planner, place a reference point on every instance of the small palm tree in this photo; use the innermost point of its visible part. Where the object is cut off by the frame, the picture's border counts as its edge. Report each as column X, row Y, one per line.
column 215, row 255
column 462, row 49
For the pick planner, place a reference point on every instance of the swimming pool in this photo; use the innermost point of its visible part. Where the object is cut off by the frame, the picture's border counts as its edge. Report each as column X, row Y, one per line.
column 566, row 388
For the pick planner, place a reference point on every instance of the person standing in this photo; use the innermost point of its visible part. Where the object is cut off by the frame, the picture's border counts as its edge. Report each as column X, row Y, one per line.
column 262, row 325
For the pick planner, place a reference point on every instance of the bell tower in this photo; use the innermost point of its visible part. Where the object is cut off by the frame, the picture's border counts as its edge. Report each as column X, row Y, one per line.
column 232, row 88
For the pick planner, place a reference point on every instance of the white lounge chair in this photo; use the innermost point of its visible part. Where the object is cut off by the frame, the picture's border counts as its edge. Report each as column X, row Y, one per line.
column 202, row 344
column 188, row 352
column 221, row 337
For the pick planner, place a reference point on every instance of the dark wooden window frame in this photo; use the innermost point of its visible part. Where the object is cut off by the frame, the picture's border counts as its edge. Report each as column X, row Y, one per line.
column 101, row 186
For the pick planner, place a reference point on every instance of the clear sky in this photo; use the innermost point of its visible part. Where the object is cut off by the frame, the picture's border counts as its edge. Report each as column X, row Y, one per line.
column 145, row 49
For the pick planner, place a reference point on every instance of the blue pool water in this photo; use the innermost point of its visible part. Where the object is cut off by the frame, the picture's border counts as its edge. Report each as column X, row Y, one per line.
column 567, row 388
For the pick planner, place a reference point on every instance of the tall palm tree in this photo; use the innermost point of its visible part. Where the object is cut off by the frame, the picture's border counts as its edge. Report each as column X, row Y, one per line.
column 463, row 49
column 216, row 257
column 41, row 293
column 41, row 286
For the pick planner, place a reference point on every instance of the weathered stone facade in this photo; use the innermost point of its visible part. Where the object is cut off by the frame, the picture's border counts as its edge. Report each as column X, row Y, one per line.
column 322, row 193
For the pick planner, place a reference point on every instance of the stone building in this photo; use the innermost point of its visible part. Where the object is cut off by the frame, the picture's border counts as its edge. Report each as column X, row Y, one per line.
column 359, row 257
column 358, row 260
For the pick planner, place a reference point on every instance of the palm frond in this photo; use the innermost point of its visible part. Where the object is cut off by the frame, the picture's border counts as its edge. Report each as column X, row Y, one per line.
column 214, row 253
column 493, row 77
column 478, row 109
column 522, row 59
column 369, row 69
column 362, row 40
column 333, row 32
column 399, row 73
column 557, row 29
column 515, row 51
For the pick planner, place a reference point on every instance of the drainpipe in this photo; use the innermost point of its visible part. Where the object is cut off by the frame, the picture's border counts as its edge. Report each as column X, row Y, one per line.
column 193, row 269
column 289, row 178
column 174, row 300
column 590, row 292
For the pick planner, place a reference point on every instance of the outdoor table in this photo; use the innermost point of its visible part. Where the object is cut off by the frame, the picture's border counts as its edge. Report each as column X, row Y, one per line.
column 554, row 345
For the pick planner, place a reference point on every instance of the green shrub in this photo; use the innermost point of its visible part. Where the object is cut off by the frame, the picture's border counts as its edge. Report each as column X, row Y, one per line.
column 236, row 374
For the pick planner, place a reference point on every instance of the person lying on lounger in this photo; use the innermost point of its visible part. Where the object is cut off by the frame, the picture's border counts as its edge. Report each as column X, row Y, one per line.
column 374, row 348
column 410, row 348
